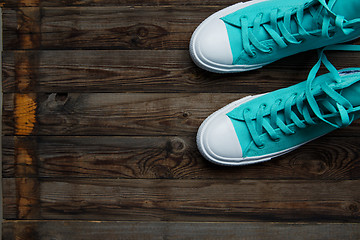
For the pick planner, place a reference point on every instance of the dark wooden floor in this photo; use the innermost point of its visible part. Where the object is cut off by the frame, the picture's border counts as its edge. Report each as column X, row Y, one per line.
column 101, row 107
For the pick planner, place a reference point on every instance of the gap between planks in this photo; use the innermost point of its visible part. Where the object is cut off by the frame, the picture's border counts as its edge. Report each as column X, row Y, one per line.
column 34, row 230
column 116, row 3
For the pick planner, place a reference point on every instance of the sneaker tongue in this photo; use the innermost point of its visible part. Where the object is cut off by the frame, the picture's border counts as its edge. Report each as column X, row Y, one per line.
column 350, row 9
column 307, row 22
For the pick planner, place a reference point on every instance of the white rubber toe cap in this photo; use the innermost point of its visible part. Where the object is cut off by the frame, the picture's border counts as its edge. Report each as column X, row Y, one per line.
column 211, row 44
column 217, row 140
column 221, row 140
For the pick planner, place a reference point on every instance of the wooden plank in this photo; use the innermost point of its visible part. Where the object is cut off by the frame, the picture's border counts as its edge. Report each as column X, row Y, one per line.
column 108, row 113
column 120, row 27
column 330, row 158
column 117, row 27
column 182, row 200
column 75, row 230
column 144, row 71
column 78, row 3
column 147, row 71
column 115, row 114
column 22, row 28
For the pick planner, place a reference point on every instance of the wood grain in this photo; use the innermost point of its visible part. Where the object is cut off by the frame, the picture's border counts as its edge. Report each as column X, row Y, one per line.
column 101, row 107
column 328, row 158
column 22, row 28
column 120, row 27
column 143, row 71
column 146, row 71
column 78, row 3
column 183, row 200
column 116, row 114
column 75, row 230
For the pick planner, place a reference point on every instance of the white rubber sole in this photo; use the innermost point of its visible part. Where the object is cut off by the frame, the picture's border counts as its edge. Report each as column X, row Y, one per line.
column 208, row 65
column 201, row 142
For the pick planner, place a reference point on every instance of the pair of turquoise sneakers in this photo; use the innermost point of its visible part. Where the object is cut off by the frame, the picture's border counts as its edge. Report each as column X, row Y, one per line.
column 249, row 35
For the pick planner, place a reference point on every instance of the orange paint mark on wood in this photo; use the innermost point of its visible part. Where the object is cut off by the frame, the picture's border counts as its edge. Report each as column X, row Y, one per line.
column 23, row 157
column 27, row 183
column 29, row 3
column 29, row 41
column 23, row 73
column 25, row 165
column 25, row 113
column 28, row 198
column 29, row 25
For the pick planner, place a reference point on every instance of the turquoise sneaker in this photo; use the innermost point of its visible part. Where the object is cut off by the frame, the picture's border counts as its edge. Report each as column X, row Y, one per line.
column 258, row 128
column 249, row 35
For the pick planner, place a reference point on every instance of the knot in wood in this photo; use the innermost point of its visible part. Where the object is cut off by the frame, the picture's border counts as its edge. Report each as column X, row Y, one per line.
column 56, row 101
column 308, row 166
column 186, row 114
column 354, row 208
column 176, row 145
column 61, row 97
column 142, row 32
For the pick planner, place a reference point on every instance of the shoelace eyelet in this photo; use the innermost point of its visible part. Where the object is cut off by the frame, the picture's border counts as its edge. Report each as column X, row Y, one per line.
column 301, row 39
column 270, row 50
column 254, row 55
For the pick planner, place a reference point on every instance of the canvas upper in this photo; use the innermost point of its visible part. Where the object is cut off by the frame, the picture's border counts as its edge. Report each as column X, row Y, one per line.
column 261, row 127
column 283, row 131
column 249, row 35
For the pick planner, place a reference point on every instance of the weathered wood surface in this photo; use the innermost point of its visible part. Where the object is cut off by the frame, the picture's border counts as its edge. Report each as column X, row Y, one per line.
column 146, row 71
column 143, row 71
column 181, row 200
column 122, row 27
column 117, row 114
column 63, row 230
column 101, row 107
column 102, row 27
column 109, row 114
column 329, row 158
column 78, row 3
